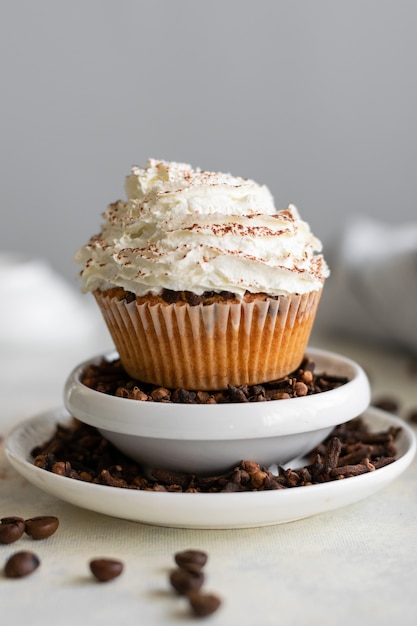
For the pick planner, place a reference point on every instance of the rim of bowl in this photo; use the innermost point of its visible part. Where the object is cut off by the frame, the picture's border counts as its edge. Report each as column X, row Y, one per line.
column 223, row 421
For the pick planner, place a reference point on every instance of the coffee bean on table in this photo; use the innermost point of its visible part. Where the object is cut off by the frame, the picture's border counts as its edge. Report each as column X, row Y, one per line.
column 11, row 529
column 203, row 604
column 185, row 581
column 191, row 567
column 106, row 569
column 194, row 558
column 21, row 564
column 41, row 527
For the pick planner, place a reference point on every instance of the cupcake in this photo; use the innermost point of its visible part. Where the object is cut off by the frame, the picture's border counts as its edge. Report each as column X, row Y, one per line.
column 201, row 281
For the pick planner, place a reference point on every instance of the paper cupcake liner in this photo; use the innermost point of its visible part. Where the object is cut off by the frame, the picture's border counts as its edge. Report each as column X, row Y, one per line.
column 210, row 347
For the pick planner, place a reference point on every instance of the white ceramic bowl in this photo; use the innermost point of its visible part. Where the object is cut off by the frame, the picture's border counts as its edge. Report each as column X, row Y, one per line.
column 210, row 438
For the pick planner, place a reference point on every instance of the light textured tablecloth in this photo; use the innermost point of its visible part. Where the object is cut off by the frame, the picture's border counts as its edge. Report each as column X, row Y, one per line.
column 355, row 565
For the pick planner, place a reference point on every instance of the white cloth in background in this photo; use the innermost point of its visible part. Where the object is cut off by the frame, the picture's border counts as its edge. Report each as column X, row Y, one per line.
column 372, row 290
column 39, row 309
column 47, row 327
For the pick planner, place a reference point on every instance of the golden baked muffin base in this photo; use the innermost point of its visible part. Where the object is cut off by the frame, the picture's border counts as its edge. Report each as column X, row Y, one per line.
column 209, row 346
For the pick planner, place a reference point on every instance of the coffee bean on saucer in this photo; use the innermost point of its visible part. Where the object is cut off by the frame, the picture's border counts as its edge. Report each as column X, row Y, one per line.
column 41, row 527
column 106, row 569
column 185, row 581
column 412, row 415
column 11, row 529
column 203, row 604
column 387, row 403
column 191, row 558
column 21, row 564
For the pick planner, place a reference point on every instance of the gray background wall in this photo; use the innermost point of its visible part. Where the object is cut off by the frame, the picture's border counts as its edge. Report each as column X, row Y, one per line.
column 317, row 99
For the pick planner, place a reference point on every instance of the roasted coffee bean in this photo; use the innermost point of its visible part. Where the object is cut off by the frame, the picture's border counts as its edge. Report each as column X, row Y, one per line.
column 11, row 529
column 21, row 564
column 412, row 416
column 203, row 604
column 192, row 567
column 184, row 581
column 193, row 558
column 41, row 527
column 389, row 404
column 106, row 569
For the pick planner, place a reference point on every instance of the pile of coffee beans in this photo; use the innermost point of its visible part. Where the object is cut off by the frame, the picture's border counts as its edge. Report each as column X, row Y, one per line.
column 188, row 578
column 25, row 562
column 12, row 528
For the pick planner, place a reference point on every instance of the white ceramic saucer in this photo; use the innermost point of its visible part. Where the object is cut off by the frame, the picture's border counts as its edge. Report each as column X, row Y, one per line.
column 205, row 510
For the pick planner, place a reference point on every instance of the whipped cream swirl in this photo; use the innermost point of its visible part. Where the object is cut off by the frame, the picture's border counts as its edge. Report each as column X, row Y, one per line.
column 185, row 229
